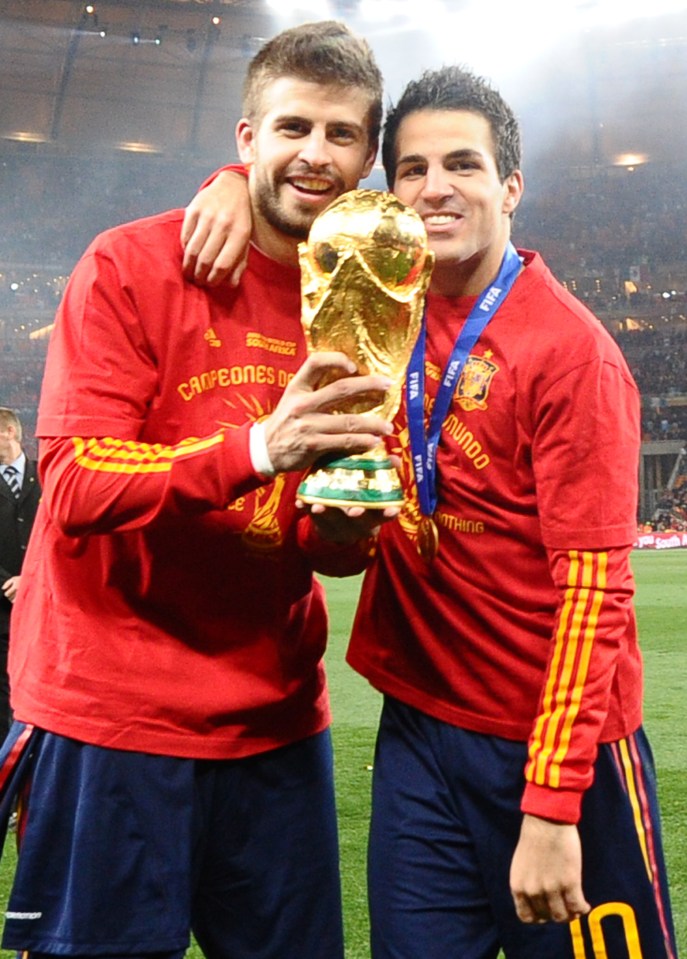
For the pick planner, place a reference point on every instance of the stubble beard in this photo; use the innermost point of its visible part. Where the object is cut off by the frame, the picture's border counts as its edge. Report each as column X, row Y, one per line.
column 270, row 208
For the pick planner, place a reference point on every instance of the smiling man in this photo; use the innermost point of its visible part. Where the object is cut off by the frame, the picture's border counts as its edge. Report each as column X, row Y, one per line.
column 514, row 798
column 466, row 227
column 514, row 801
column 303, row 144
column 166, row 659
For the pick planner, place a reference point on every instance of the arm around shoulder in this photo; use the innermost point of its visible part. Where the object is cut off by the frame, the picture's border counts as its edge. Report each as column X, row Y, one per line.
column 217, row 227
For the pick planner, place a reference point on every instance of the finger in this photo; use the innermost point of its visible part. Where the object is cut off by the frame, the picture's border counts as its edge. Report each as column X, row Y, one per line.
column 528, row 911
column 235, row 277
column 367, row 391
column 532, row 908
column 309, row 447
column 354, row 512
column 306, row 442
column 188, row 227
column 332, row 513
column 349, row 442
column 230, row 258
column 188, row 262
column 194, row 250
column 524, row 908
column 575, row 903
column 373, row 515
column 319, row 372
column 557, row 909
column 340, row 425
column 213, row 246
column 316, row 365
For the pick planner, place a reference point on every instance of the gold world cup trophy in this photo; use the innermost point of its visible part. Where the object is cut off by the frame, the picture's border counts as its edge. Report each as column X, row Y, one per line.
column 365, row 269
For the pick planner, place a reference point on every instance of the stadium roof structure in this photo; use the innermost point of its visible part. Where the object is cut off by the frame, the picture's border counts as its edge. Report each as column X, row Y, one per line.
column 164, row 76
column 158, row 76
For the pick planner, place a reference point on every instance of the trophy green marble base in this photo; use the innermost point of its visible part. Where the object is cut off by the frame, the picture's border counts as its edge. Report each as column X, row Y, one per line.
column 353, row 481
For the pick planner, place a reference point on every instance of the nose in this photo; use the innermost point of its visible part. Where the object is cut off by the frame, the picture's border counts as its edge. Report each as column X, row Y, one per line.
column 315, row 149
column 437, row 184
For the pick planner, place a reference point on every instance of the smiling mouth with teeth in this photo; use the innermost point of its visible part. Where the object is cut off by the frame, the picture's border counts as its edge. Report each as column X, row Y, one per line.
column 441, row 219
column 311, row 186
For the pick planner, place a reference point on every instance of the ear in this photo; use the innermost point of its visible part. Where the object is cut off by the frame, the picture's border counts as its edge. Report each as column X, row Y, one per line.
column 370, row 160
column 513, row 190
column 245, row 140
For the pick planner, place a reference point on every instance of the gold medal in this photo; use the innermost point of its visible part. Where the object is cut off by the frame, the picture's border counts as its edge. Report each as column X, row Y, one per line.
column 427, row 539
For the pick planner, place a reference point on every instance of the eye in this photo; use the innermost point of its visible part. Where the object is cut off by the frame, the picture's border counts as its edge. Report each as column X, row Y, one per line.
column 342, row 135
column 293, row 128
column 410, row 172
column 462, row 164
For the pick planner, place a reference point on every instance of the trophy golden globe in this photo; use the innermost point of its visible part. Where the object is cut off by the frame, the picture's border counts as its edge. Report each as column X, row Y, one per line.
column 365, row 268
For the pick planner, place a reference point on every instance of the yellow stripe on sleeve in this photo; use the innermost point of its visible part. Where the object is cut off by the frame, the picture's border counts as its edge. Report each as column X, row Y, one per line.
column 569, row 668
column 597, row 596
column 110, row 455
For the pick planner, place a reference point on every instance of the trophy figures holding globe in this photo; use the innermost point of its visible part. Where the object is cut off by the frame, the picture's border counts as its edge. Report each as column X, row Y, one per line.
column 365, row 269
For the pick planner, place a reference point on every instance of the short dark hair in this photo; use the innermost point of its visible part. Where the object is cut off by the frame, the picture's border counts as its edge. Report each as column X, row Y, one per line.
column 456, row 88
column 324, row 51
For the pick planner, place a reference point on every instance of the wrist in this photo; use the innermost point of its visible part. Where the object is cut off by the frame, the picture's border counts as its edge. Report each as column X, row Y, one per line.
column 259, row 454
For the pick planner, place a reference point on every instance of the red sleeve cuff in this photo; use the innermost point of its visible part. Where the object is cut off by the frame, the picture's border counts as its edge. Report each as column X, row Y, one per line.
column 229, row 168
column 561, row 805
column 238, row 474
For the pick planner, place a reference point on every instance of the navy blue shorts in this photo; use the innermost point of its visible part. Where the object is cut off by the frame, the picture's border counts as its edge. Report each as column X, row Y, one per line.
column 445, row 824
column 123, row 853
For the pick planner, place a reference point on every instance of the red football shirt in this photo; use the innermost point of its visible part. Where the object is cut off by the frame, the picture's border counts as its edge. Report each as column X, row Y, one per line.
column 167, row 605
column 523, row 625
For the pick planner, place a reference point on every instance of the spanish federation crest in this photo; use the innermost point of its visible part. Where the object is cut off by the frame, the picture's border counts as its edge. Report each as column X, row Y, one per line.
column 474, row 383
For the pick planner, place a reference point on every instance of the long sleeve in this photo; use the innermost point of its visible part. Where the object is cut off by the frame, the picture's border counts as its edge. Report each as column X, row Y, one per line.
column 593, row 623
column 228, row 168
column 177, row 615
column 109, row 461
column 106, row 484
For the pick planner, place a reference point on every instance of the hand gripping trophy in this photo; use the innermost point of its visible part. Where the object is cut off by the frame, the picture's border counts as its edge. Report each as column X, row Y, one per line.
column 365, row 269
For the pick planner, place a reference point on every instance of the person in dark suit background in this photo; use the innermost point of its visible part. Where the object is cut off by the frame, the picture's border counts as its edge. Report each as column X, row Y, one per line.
column 20, row 493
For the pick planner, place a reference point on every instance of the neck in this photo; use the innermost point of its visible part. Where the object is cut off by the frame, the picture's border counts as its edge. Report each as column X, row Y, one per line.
column 10, row 456
column 468, row 277
column 278, row 246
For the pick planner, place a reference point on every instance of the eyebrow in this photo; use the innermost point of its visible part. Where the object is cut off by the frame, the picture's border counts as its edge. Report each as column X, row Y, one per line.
column 298, row 118
column 453, row 155
column 289, row 118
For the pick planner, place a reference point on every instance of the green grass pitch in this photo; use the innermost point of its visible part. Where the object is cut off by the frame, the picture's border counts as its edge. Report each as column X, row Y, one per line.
column 662, row 614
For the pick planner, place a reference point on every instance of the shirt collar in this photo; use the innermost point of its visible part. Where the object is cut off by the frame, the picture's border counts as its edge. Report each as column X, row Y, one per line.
column 20, row 466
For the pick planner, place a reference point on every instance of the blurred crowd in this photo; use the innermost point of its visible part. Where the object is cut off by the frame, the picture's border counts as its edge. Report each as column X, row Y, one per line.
column 619, row 222
column 52, row 206
column 671, row 509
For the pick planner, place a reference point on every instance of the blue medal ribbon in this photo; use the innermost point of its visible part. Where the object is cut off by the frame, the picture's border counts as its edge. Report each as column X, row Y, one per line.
column 424, row 445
